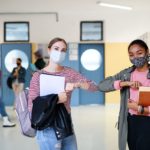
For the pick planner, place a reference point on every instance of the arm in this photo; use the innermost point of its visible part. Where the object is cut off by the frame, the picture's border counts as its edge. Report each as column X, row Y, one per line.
column 132, row 84
column 13, row 72
column 111, row 83
column 134, row 106
column 34, row 91
column 22, row 73
column 79, row 81
column 117, row 82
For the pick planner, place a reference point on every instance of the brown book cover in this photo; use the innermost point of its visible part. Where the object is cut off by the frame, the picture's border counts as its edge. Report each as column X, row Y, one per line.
column 144, row 96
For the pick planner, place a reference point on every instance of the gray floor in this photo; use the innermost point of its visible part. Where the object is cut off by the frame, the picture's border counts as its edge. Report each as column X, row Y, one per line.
column 94, row 127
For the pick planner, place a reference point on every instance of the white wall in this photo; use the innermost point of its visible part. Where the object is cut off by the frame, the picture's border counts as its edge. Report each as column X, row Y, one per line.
column 119, row 25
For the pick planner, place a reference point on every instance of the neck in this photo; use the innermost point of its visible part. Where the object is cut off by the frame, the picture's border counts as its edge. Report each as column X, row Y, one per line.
column 144, row 68
column 53, row 67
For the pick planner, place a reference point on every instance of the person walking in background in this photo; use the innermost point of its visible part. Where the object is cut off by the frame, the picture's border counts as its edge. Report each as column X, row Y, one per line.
column 18, row 75
column 134, row 119
column 57, row 51
column 3, row 114
column 39, row 63
column 6, row 121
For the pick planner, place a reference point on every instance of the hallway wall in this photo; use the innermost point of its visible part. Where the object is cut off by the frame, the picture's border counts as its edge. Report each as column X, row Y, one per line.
column 119, row 25
column 116, row 59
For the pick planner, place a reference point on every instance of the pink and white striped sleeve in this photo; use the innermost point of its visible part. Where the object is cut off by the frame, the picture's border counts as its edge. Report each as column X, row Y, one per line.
column 80, row 78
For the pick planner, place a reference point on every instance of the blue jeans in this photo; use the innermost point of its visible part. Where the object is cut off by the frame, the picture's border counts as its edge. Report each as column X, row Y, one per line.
column 2, row 109
column 47, row 141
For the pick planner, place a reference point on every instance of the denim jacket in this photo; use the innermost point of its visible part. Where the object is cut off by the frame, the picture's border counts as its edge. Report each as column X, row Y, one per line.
column 107, row 85
column 21, row 76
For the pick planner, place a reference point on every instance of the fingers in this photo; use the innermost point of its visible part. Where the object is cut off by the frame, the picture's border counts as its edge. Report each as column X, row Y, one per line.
column 85, row 85
column 72, row 86
column 135, row 84
column 132, row 105
column 69, row 86
column 132, row 101
column 62, row 97
column 77, row 84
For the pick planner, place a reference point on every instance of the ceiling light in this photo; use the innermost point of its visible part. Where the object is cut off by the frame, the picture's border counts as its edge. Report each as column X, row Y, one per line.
column 114, row 6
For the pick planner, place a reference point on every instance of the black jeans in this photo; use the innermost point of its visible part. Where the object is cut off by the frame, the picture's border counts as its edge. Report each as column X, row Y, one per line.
column 138, row 132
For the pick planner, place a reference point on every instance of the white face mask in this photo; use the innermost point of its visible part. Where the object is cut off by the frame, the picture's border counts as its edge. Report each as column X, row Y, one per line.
column 57, row 56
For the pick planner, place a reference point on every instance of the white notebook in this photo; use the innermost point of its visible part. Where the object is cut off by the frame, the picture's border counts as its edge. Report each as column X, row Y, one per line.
column 51, row 84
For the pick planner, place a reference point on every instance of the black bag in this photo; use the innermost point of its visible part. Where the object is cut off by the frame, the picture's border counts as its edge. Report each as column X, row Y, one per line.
column 63, row 123
column 47, row 113
column 43, row 111
column 10, row 81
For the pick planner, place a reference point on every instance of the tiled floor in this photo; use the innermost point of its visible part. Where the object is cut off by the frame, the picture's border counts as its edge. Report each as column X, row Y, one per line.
column 94, row 126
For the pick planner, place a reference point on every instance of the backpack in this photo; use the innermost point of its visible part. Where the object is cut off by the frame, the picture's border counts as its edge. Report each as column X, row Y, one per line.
column 23, row 114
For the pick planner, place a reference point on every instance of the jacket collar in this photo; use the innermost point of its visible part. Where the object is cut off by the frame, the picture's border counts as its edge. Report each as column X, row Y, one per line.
column 132, row 68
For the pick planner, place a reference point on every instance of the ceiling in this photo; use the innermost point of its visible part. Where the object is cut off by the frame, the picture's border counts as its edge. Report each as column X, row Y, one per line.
column 125, row 25
column 70, row 5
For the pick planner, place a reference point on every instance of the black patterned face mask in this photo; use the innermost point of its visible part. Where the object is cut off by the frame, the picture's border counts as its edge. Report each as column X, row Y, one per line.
column 140, row 61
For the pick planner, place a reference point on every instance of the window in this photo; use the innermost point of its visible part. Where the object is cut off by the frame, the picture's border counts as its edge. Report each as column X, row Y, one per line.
column 91, row 31
column 16, row 31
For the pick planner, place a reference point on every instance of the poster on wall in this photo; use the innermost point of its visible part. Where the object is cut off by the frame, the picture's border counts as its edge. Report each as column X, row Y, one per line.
column 73, row 51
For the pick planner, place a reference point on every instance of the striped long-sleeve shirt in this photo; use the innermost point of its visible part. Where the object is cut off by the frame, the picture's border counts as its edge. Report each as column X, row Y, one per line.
column 71, row 76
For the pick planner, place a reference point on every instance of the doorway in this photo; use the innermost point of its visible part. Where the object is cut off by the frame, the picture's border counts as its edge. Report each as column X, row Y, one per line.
column 9, row 53
column 91, row 65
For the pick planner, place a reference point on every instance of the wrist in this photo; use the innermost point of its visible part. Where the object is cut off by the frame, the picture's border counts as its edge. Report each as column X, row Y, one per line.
column 140, row 109
column 77, row 85
column 123, row 83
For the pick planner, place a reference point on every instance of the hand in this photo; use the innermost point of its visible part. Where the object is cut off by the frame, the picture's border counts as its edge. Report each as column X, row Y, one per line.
column 133, row 105
column 62, row 97
column 132, row 84
column 15, row 73
column 84, row 85
column 135, row 84
column 70, row 86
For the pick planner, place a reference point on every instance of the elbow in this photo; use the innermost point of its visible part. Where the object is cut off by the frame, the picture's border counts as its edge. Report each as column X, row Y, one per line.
column 106, row 88
column 93, row 88
column 101, row 88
